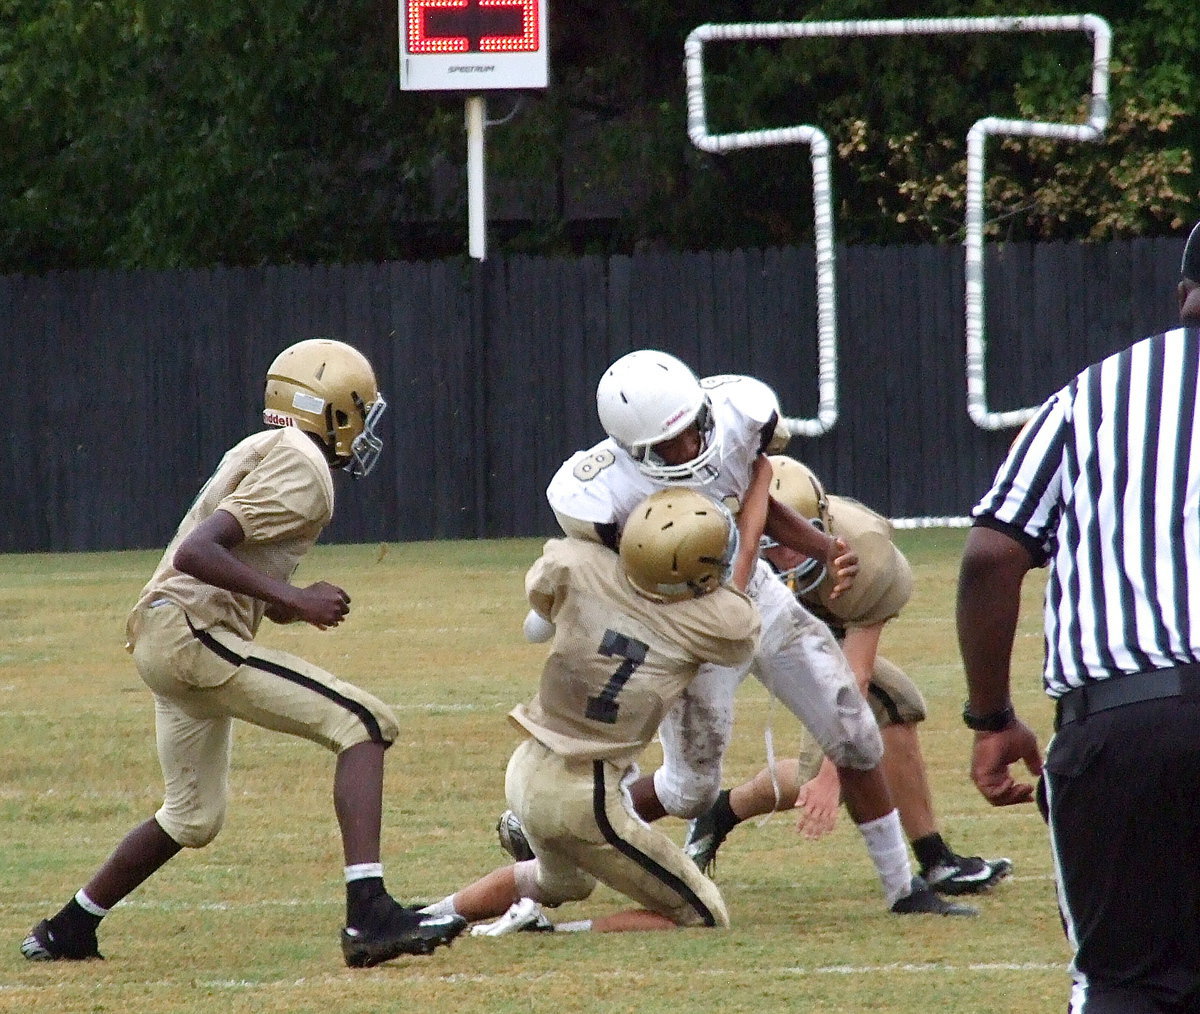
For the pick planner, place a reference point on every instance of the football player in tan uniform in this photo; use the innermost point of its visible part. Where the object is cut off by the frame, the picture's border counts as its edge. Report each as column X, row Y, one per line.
column 192, row 633
column 881, row 589
column 666, row 429
column 630, row 632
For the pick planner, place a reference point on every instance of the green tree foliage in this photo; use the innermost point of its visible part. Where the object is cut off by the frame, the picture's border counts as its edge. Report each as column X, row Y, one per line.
column 170, row 133
column 166, row 133
column 898, row 111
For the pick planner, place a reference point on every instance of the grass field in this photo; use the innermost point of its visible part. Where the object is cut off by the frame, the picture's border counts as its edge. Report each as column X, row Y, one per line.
column 251, row 922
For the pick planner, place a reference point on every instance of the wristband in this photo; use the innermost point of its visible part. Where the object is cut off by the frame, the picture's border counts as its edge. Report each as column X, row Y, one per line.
column 992, row 722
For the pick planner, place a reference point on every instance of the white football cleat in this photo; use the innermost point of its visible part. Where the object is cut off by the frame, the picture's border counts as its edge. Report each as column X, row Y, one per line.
column 524, row 916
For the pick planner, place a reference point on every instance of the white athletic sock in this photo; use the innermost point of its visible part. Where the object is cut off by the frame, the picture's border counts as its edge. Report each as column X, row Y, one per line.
column 364, row 871
column 89, row 906
column 889, row 853
column 578, row 926
column 443, row 907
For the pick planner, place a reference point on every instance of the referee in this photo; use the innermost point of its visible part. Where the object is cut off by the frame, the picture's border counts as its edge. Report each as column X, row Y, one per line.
column 1103, row 485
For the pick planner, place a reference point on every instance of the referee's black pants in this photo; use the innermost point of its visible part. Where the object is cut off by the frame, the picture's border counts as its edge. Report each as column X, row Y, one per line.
column 1121, row 793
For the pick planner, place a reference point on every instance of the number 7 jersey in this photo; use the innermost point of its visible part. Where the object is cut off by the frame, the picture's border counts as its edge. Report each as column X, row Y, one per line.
column 619, row 660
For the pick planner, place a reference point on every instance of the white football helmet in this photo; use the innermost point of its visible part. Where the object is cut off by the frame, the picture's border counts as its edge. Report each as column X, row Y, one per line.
column 328, row 389
column 797, row 486
column 647, row 397
column 678, row 544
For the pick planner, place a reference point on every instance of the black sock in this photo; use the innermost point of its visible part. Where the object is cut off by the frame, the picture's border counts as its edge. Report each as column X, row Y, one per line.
column 722, row 814
column 72, row 921
column 932, row 851
column 359, row 896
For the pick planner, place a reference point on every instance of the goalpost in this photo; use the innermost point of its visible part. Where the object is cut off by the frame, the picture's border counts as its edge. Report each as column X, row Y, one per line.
column 976, row 344
column 1092, row 129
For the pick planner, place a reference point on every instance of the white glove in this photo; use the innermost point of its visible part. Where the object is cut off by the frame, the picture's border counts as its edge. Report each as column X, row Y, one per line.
column 537, row 628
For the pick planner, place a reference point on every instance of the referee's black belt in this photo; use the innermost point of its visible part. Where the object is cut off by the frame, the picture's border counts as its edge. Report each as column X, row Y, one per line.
column 1130, row 688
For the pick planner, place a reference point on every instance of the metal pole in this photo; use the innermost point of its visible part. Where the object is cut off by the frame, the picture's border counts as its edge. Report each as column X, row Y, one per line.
column 476, row 204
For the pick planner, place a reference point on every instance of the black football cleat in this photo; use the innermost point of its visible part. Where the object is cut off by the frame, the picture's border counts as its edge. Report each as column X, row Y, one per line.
column 42, row 945
column 703, row 840
column 922, row 900
column 966, row 874
column 394, row 930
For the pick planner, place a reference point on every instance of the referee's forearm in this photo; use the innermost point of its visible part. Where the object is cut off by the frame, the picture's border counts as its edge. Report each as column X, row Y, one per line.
column 988, row 606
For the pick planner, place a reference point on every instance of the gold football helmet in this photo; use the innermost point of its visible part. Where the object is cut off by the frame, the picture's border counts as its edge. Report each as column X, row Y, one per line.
column 678, row 544
column 795, row 485
column 328, row 389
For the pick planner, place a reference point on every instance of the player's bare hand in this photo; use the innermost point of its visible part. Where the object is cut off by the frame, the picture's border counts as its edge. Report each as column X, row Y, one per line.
column 277, row 613
column 842, row 563
column 322, row 604
column 818, row 802
column 992, row 755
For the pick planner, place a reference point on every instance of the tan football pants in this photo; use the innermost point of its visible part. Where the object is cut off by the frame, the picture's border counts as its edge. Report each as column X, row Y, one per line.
column 203, row 679
column 581, row 825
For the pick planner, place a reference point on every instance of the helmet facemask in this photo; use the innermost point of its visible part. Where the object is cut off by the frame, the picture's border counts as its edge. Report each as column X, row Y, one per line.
column 796, row 486
column 692, row 472
column 366, row 448
column 806, row 575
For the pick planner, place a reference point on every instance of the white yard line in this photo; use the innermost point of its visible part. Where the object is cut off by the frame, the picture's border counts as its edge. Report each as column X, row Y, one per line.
column 573, row 972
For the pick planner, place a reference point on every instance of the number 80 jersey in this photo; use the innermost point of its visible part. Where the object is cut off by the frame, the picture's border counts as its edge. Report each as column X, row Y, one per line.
column 620, row 660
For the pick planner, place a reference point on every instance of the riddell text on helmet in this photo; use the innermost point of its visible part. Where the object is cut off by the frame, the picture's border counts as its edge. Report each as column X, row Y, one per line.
column 273, row 418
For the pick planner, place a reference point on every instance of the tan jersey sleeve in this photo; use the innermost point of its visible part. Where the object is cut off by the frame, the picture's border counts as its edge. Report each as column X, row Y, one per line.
column 884, row 582
column 722, row 627
column 282, row 493
column 745, row 626
column 545, row 580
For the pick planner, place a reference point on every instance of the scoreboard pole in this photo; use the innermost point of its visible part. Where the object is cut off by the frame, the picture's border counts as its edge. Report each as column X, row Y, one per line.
column 476, row 178
column 475, row 46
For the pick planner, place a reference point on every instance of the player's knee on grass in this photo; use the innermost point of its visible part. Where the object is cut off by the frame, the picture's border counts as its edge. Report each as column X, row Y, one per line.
column 692, row 920
column 706, row 911
column 551, row 885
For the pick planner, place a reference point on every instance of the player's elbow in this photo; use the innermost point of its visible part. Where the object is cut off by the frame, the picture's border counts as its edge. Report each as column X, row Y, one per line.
column 187, row 558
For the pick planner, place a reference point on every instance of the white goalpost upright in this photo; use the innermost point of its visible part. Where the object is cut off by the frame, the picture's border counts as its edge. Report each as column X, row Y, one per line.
column 1092, row 129
column 976, row 343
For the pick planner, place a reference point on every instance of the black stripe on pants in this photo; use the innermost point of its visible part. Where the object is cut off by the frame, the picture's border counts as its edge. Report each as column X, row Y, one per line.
column 362, row 713
column 646, row 862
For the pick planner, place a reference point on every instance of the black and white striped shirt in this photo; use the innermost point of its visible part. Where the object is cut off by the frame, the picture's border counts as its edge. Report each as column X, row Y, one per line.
column 1104, row 483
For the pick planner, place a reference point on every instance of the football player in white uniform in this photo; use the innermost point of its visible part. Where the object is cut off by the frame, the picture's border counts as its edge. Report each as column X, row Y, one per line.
column 630, row 633
column 665, row 427
column 881, row 589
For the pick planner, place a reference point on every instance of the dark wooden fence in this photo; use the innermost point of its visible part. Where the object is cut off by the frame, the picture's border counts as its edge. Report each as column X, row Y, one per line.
column 123, row 389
